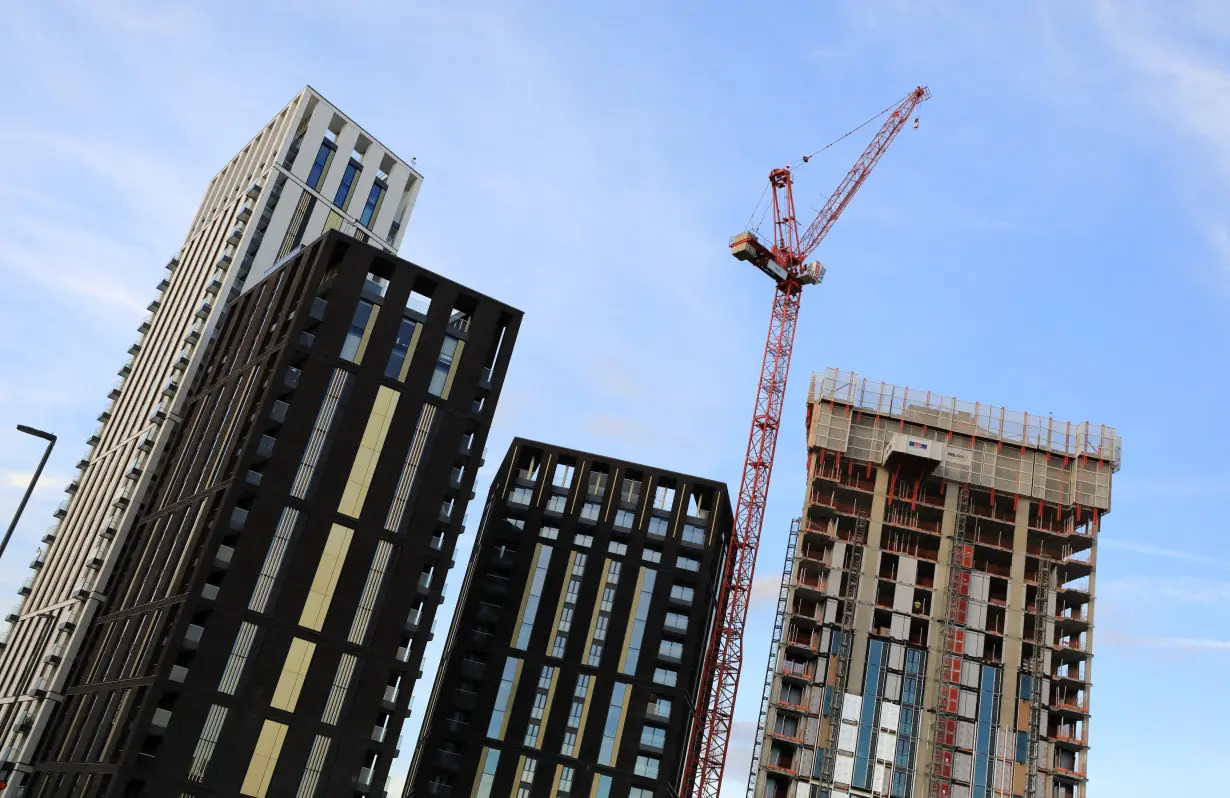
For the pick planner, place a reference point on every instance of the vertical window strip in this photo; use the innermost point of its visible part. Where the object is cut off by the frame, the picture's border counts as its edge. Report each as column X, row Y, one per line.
column 568, row 604
column 367, row 601
column 405, row 483
column 210, row 733
column 337, row 693
column 597, row 633
column 366, row 458
column 636, row 623
column 576, row 715
column 273, row 559
column 503, row 698
column 315, row 766
column 529, row 766
column 610, row 731
column 320, row 431
column 491, row 761
column 542, row 705
column 533, row 595
column 238, row 659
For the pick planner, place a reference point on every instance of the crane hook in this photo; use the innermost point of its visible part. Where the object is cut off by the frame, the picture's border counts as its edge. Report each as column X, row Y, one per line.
column 916, row 123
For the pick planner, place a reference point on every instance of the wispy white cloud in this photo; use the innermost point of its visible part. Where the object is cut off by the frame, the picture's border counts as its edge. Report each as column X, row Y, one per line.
column 1178, row 590
column 1160, row 551
column 1112, row 638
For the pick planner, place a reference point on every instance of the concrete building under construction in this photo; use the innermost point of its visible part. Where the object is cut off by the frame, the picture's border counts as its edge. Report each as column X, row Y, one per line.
column 935, row 622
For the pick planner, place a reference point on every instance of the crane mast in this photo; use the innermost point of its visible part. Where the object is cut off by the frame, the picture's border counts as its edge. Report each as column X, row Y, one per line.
column 784, row 260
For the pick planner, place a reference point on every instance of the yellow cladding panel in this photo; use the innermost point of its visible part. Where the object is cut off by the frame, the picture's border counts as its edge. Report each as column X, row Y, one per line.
column 364, row 466
column 286, row 694
column 325, row 581
column 264, row 759
column 414, row 342
column 367, row 334
column 452, row 369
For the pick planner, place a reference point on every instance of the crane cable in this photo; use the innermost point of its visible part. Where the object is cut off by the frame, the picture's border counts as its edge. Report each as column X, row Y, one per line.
column 806, row 158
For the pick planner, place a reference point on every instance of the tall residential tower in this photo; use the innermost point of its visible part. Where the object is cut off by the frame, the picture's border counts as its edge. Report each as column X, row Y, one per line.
column 266, row 621
column 572, row 667
column 935, row 624
column 310, row 169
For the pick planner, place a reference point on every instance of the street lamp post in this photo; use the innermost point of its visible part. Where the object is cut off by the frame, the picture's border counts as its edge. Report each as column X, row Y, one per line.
column 51, row 442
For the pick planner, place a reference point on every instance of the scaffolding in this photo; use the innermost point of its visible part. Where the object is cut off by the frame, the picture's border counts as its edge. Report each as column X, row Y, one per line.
column 845, row 647
column 944, row 722
column 1037, row 669
column 779, row 623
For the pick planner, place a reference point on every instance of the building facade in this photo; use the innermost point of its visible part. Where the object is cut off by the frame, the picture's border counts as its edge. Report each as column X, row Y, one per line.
column 285, row 188
column 267, row 617
column 572, row 667
column 935, row 625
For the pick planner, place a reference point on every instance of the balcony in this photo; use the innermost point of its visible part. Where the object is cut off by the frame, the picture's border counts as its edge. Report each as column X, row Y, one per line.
column 222, row 560
column 179, row 674
column 291, row 380
column 26, row 586
column 389, row 699
column 264, row 449
column 203, row 311
column 239, row 517
column 192, row 637
column 378, row 733
column 160, row 721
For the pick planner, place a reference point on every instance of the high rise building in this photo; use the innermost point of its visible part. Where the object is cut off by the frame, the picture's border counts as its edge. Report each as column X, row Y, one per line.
column 266, row 620
column 285, row 188
column 572, row 667
column 935, row 625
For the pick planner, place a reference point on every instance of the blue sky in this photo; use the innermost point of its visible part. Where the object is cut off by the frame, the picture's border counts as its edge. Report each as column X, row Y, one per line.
column 1054, row 238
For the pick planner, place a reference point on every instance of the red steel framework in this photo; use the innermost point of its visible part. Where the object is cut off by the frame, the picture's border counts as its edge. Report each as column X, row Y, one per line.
column 785, row 262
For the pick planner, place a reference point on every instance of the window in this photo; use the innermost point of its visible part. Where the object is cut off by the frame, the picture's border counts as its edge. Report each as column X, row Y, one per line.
column 549, row 532
column 640, row 615
column 324, row 156
column 597, row 483
column 360, row 327
column 403, row 344
column 687, row 563
column 665, row 676
column 791, row 694
column 563, row 475
column 663, row 497
column 343, row 189
column 630, row 491
column 693, row 534
column 682, row 593
column 508, row 682
column 615, row 547
column 518, row 523
column 533, row 595
column 375, row 198
column 571, row 593
column 658, row 526
column 603, row 787
column 624, row 519
column 490, row 761
column 786, row 725
column 659, row 706
column 671, row 649
column 520, row 495
column 590, row 510
column 210, row 733
column 640, row 792
column 565, row 780
column 676, row 621
column 442, row 377
column 574, row 714
column 646, row 766
column 583, row 541
column 653, row 737
column 651, row 555
column 556, row 504
column 542, row 697
column 606, row 752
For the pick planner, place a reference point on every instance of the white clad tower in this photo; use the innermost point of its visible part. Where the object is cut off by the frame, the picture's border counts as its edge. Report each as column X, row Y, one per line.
column 311, row 169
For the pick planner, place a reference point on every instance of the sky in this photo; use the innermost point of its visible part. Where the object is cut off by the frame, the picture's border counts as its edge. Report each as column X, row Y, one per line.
column 1054, row 238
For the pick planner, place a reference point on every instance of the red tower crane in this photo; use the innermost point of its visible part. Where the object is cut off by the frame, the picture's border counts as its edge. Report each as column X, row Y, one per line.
column 784, row 260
